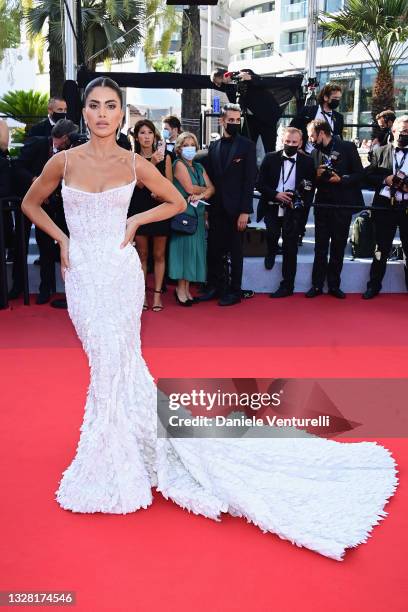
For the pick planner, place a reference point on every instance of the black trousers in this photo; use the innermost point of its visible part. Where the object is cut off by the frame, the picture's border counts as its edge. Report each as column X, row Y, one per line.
column 289, row 226
column 47, row 247
column 303, row 221
column 253, row 128
column 385, row 227
column 224, row 239
column 331, row 232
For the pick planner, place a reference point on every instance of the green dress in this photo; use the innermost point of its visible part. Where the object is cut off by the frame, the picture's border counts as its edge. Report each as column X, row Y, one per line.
column 187, row 253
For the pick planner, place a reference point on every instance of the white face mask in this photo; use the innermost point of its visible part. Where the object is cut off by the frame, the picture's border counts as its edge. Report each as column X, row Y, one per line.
column 188, row 152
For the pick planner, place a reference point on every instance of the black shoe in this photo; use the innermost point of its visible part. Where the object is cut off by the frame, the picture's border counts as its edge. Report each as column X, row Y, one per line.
column 14, row 293
column 37, row 261
column 269, row 262
column 338, row 293
column 314, row 292
column 43, row 297
column 187, row 303
column 247, row 293
column 59, row 303
column 281, row 292
column 229, row 300
column 211, row 294
column 370, row 294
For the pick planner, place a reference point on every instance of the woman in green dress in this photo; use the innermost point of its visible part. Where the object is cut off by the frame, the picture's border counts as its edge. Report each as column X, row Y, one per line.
column 187, row 252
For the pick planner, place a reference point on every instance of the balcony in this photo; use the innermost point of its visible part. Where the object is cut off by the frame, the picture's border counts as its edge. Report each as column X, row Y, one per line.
column 290, row 47
column 290, row 12
column 249, row 54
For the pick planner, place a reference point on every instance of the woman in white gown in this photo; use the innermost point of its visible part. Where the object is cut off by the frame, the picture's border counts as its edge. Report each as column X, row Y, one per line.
column 317, row 493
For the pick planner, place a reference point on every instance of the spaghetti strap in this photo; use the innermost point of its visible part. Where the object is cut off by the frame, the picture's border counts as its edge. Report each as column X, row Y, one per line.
column 65, row 165
column 134, row 165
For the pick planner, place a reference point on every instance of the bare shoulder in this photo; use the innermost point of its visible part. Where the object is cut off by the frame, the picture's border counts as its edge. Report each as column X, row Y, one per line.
column 55, row 165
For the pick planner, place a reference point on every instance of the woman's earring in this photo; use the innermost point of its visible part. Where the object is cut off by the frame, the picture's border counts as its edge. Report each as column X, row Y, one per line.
column 118, row 132
column 88, row 133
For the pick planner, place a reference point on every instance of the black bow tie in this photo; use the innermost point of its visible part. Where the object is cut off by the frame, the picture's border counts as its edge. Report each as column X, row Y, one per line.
column 290, row 159
column 403, row 149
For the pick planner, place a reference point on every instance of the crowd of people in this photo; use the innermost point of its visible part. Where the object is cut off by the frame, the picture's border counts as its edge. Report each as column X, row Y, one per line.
column 204, row 245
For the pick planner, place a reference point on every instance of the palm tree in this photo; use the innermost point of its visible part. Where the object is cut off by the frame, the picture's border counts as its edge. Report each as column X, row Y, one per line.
column 191, row 61
column 10, row 18
column 381, row 27
column 111, row 30
column 25, row 106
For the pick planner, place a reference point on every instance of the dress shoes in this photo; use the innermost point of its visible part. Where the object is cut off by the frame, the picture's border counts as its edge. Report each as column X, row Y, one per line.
column 59, row 303
column 230, row 299
column 337, row 293
column 281, row 293
column 369, row 294
column 247, row 293
column 43, row 297
column 314, row 292
column 211, row 294
column 186, row 303
column 269, row 262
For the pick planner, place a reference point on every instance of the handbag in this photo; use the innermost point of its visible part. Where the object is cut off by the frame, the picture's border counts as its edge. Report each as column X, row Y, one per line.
column 184, row 223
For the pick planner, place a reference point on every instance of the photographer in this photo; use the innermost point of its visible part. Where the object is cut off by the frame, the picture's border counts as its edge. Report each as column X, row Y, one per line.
column 382, row 134
column 338, row 175
column 33, row 157
column 260, row 109
column 286, row 182
column 388, row 173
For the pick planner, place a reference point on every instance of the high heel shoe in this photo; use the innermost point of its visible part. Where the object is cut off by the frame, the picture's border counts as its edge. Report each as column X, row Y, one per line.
column 179, row 302
column 158, row 307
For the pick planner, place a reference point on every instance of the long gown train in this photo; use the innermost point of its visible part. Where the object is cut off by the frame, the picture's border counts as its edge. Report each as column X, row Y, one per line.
column 317, row 493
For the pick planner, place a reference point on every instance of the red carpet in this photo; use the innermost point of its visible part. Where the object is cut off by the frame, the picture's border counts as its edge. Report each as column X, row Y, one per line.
column 164, row 558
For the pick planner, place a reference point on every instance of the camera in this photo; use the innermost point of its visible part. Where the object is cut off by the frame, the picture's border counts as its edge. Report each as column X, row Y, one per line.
column 399, row 181
column 298, row 195
column 329, row 161
column 77, row 139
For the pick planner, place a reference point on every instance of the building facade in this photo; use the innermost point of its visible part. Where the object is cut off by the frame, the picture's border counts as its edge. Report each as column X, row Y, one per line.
column 270, row 38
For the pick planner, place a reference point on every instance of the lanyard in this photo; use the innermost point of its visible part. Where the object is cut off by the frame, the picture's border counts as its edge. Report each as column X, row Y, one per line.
column 285, row 179
column 398, row 166
column 329, row 118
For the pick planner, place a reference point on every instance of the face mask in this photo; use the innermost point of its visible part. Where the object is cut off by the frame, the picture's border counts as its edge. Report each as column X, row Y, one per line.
column 334, row 104
column 166, row 134
column 57, row 116
column 402, row 141
column 233, row 129
column 290, row 150
column 188, row 152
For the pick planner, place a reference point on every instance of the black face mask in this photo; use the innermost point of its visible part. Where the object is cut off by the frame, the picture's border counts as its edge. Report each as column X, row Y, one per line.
column 334, row 104
column 402, row 141
column 290, row 149
column 233, row 129
column 57, row 116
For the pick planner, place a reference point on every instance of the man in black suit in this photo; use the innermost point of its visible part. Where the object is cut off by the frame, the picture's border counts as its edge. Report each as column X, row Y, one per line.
column 281, row 176
column 386, row 162
column 33, row 157
column 57, row 109
column 328, row 100
column 338, row 177
column 231, row 165
column 262, row 111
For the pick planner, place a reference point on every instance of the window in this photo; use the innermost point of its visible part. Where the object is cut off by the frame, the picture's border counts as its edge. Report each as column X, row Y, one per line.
column 256, row 51
column 296, row 38
column 333, row 6
column 401, row 87
column 268, row 7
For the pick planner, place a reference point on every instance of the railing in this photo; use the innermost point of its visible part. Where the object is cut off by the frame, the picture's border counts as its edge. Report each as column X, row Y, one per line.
column 250, row 54
column 290, row 12
column 289, row 47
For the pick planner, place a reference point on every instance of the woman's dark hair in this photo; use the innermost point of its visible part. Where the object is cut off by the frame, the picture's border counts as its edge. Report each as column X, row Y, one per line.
column 103, row 82
column 138, row 126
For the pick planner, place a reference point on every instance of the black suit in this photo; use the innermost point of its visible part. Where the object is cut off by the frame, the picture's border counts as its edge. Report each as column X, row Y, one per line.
column 232, row 169
column 43, row 128
column 385, row 222
column 332, row 225
column 308, row 113
column 33, row 157
column 268, row 181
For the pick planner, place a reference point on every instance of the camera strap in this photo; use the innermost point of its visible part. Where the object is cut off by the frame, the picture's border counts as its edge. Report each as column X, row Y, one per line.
column 398, row 165
column 285, row 179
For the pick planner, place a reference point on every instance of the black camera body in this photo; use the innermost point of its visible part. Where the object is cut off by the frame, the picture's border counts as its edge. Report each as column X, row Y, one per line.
column 399, row 180
column 329, row 161
column 77, row 139
column 298, row 195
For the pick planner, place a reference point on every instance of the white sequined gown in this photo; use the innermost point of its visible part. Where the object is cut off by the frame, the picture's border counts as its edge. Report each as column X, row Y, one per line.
column 316, row 493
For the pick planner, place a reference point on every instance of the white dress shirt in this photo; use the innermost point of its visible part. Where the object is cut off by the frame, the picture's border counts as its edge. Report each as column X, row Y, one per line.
column 288, row 172
column 326, row 116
